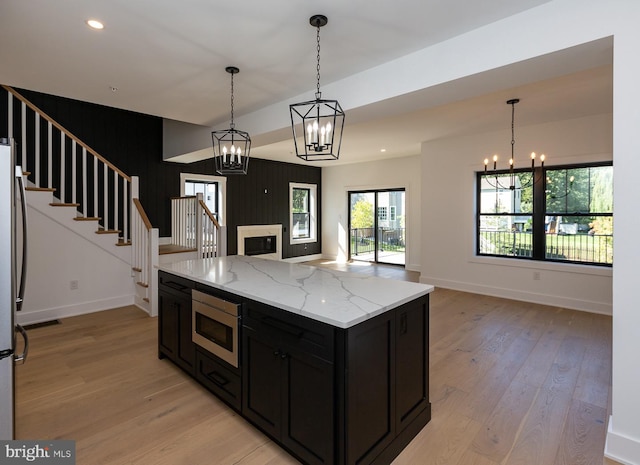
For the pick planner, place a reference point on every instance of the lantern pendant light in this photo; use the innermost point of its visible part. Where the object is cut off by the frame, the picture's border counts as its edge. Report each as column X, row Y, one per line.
column 231, row 146
column 317, row 123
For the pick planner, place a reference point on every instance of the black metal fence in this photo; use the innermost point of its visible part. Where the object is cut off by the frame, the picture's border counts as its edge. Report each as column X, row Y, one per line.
column 585, row 248
column 389, row 240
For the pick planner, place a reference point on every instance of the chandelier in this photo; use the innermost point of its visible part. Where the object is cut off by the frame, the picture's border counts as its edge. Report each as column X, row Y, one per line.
column 230, row 146
column 513, row 184
column 318, row 122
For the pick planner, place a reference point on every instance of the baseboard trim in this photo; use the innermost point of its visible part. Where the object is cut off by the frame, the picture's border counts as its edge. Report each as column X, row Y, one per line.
column 303, row 258
column 48, row 314
column 556, row 301
column 621, row 449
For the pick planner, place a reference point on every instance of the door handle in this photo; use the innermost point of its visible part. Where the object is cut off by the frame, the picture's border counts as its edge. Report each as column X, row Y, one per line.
column 20, row 359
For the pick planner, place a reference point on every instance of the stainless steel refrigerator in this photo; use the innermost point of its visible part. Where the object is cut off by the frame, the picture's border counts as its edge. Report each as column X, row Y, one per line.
column 13, row 261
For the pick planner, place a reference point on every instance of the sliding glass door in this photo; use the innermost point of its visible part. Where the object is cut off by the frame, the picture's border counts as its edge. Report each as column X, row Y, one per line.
column 377, row 226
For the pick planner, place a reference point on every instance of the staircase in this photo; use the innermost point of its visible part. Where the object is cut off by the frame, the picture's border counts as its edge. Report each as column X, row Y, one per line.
column 74, row 186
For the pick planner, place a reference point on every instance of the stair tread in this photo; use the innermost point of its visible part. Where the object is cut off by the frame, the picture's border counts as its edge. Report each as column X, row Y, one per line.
column 135, row 268
column 60, row 204
column 87, row 218
column 40, row 189
column 139, row 283
column 166, row 249
column 108, row 231
column 123, row 243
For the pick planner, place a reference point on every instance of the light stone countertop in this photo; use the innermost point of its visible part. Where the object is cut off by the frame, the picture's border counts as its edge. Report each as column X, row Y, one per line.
column 335, row 297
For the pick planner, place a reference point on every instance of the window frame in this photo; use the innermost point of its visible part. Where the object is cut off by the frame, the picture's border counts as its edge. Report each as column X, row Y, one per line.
column 313, row 209
column 538, row 214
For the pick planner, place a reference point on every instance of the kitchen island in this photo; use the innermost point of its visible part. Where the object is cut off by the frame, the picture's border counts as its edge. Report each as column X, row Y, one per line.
column 332, row 365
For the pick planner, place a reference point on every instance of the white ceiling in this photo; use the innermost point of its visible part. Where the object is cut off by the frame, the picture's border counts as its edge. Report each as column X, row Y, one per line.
column 167, row 58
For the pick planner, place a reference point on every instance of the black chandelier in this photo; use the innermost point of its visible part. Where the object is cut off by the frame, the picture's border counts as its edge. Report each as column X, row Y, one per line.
column 513, row 184
column 230, row 146
column 318, row 122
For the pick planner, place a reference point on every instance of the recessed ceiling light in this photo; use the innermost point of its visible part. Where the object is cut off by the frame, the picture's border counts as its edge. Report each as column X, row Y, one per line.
column 95, row 24
column 383, row 150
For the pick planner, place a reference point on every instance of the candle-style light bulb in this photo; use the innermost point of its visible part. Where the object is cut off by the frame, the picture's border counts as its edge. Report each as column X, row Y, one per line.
column 323, row 130
column 315, row 131
column 327, row 137
column 533, row 159
column 486, row 162
column 224, row 154
column 495, row 161
column 542, row 159
column 309, row 132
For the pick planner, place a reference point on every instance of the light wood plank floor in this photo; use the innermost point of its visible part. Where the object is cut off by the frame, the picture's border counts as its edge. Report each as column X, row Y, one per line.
column 511, row 383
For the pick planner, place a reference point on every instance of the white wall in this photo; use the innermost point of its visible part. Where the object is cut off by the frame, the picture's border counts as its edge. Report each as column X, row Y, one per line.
column 551, row 27
column 448, row 215
column 57, row 256
column 386, row 174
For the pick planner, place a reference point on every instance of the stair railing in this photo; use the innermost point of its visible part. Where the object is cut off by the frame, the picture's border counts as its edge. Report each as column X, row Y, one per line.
column 195, row 227
column 51, row 153
column 97, row 188
column 144, row 252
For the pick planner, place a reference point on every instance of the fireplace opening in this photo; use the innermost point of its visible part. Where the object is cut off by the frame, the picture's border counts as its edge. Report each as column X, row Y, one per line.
column 259, row 245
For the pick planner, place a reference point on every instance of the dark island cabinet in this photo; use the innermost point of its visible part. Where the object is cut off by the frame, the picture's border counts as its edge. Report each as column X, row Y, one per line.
column 174, row 321
column 386, row 383
column 288, row 381
column 327, row 395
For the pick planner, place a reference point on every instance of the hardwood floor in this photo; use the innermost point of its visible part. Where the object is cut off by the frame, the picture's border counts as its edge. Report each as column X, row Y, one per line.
column 511, row 383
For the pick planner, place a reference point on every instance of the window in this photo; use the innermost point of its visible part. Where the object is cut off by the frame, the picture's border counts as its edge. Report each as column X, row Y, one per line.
column 212, row 188
column 382, row 213
column 303, row 207
column 554, row 214
column 392, row 212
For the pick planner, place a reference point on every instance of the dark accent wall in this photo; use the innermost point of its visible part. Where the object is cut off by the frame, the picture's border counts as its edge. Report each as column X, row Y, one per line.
column 133, row 142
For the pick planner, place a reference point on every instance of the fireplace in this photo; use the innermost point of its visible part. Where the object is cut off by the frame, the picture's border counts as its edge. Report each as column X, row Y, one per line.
column 261, row 240
column 259, row 245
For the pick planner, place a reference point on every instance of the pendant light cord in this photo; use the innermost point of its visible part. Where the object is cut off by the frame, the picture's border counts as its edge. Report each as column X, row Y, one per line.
column 318, row 94
column 232, row 125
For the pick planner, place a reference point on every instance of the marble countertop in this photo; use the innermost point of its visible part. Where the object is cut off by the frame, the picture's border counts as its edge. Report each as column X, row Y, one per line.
column 335, row 297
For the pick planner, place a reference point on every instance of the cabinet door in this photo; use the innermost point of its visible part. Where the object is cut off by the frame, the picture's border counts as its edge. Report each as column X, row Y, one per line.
column 370, row 389
column 174, row 329
column 262, row 391
column 186, row 347
column 167, row 325
column 412, row 361
column 308, row 402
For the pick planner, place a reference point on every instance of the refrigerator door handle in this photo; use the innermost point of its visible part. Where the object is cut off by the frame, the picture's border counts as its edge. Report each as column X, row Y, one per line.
column 23, row 206
column 20, row 359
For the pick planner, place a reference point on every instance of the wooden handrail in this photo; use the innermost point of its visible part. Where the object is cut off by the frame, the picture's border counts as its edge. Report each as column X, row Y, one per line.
column 143, row 214
column 65, row 131
column 186, row 197
column 209, row 214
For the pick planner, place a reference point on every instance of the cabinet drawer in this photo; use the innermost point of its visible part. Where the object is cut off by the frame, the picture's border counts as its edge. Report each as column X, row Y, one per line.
column 218, row 379
column 310, row 336
column 175, row 284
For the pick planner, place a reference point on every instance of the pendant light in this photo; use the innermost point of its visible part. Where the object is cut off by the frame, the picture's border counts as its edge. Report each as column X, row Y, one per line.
column 513, row 184
column 230, row 146
column 318, row 123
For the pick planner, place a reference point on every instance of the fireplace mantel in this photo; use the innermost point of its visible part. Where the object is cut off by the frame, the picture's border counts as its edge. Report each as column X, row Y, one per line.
column 259, row 230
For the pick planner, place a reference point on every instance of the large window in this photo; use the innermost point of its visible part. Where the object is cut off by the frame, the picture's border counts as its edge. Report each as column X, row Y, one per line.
column 302, row 199
column 555, row 214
